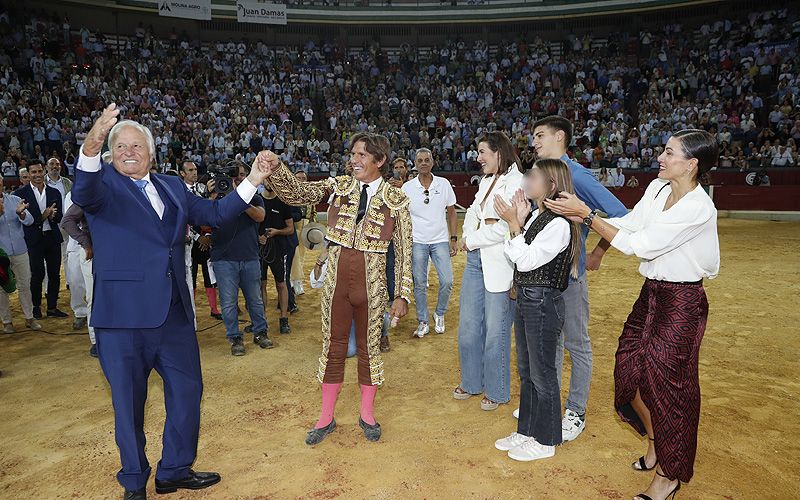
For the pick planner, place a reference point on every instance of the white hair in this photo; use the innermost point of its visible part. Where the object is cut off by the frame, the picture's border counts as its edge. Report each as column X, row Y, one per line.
column 423, row 150
column 112, row 135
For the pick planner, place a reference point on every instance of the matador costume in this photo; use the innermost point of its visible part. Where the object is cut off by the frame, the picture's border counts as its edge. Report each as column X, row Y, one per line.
column 355, row 284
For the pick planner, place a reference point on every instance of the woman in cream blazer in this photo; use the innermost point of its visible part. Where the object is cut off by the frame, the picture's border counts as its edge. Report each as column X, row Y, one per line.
column 487, row 311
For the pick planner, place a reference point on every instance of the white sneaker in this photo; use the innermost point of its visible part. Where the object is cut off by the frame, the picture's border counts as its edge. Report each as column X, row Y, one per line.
column 421, row 330
column 439, row 323
column 572, row 425
column 516, row 413
column 510, row 442
column 8, row 328
column 531, row 450
column 33, row 324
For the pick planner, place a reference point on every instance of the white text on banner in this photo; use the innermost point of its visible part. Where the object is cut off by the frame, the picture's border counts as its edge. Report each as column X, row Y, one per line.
column 251, row 11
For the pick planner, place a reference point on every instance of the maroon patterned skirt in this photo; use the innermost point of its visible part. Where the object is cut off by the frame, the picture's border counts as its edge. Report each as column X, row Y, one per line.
column 658, row 355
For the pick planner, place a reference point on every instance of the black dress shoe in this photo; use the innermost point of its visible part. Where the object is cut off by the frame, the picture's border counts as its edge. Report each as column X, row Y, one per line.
column 315, row 436
column 217, row 316
column 37, row 313
column 56, row 313
column 93, row 351
column 371, row 432
column 194, row 481
column 135, row 494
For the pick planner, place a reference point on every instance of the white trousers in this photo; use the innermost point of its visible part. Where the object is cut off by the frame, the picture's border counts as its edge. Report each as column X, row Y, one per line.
column 81, row 285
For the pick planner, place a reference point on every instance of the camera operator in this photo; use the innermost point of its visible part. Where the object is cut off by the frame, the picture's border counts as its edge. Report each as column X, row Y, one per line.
column 399, row 173
column 274, row 237
column 235, row 260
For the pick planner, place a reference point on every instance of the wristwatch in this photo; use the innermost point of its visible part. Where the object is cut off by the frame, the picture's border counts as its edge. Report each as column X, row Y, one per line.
column 587, row 221
column 454, row 238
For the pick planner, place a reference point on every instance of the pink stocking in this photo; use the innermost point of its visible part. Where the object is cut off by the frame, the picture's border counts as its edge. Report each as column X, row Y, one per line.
column 329, row 394
column 368, row 403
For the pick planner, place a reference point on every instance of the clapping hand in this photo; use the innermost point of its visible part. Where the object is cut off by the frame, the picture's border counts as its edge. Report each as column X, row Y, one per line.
column 506, row 211
column 49, row 212
column 23, row 205
column 522, row 205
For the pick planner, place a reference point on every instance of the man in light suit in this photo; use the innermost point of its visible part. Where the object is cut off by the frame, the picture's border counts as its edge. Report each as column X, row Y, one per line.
column 142, row 311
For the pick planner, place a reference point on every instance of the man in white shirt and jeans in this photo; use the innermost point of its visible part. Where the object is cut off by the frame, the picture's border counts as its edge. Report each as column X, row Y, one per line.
column 433, row 225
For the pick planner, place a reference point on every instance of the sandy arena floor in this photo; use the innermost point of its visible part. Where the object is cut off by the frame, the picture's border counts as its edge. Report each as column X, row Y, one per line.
column 56, row 422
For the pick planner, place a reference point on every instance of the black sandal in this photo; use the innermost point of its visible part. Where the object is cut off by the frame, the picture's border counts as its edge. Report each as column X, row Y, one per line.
column 642, row 463
column 670, row 495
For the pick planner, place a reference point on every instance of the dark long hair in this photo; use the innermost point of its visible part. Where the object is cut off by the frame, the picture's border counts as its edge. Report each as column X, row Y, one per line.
column 703, row 147
column 498, row 141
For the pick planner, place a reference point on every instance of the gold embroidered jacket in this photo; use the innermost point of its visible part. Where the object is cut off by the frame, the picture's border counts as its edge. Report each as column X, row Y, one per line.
column 387, row 218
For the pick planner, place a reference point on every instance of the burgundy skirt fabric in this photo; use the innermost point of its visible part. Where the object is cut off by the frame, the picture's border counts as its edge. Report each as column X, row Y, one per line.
column 658, row 355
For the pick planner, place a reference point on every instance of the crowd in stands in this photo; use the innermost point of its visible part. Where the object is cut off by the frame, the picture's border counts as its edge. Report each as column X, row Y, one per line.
column 737, row 78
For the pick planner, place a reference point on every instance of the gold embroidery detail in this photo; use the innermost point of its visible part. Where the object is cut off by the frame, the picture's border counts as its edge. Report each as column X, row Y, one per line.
column 328, row 287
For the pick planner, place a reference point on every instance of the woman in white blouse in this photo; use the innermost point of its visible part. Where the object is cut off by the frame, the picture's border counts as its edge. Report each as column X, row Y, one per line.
column 673, row 232
column 487, row 311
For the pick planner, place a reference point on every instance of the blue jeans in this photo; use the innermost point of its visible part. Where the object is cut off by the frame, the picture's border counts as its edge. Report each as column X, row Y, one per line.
column 352, row 349
column 232, row 275
column 484, row 335
column 539, row 319
column 575, row 339
column 439, row 253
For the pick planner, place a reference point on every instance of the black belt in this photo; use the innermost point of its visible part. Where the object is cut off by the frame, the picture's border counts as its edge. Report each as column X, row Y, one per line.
column 698, row 282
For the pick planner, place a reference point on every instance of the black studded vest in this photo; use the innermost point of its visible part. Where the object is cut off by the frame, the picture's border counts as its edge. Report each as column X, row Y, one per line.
column 554, row 274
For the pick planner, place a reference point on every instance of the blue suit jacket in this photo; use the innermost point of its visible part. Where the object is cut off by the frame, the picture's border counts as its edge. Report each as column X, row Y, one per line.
column 137, row 256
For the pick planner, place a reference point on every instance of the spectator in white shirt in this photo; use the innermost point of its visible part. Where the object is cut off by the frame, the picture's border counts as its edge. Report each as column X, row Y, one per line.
column 783, row 158
column 9, row 167
column 618, row 177
column 434, row 231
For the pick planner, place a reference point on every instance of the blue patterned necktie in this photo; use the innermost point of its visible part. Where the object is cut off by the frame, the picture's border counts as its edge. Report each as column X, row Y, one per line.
column 141, row 184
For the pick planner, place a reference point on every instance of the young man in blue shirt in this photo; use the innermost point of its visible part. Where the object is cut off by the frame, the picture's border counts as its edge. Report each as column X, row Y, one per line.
column 551, row 137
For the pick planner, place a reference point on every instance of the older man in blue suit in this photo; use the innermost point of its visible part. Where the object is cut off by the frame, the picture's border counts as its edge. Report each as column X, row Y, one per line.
column 142, row 311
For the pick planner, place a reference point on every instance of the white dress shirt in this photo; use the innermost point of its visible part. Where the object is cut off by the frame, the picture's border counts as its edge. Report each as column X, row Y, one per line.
column 372, row 188
column 152, row 194
column 59, row 184
column 41, row 200
column 546, row 245
column 679, row 244
column 245, row 189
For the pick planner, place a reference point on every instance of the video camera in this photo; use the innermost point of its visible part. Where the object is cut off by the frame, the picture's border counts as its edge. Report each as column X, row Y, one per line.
column 223, row 177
